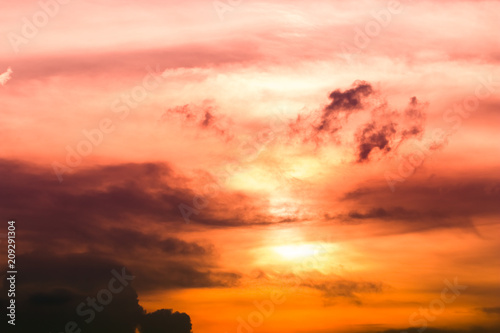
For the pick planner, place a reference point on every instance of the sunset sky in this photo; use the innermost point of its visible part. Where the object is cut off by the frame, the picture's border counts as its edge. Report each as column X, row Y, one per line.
column 261, row 166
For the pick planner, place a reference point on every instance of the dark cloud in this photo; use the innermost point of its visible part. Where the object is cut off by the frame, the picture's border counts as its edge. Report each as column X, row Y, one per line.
column 389, row 129
column 203, row 116
column 346, row 289
column 492, row 310
column 343, row 103
column 415, row 117
column 350, row 99
column 171, row 274
column 209, row 118
column 118, row 195
column 90, row 196
column 413, row 219
column 395, row 213
column 132, row 240
column 469, row 195
column 425, row 204
column 55, row 297
column 103, row 211
column 374, row 136
column 386, row 130
column 332, row 287
column 82, row 272
column 328, row 120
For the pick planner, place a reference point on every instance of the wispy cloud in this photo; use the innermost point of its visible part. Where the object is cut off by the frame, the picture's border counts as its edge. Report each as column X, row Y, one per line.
column 6, row 76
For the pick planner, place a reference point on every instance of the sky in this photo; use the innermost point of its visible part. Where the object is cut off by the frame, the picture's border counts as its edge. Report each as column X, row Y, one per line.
column 251, row 166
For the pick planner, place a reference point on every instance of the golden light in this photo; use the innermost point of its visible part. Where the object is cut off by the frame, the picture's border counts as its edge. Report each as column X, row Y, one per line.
column 299, row 256
column 296, row 251
column 253, row 178
column 303, row 167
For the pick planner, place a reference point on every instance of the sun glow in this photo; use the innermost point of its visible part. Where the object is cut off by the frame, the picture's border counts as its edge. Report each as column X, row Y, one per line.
column 301, row 256
column 297, row 251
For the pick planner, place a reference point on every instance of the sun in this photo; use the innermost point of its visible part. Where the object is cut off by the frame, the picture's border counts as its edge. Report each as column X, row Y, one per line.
column 288, row 248
column 300, row 256
column 292, row 252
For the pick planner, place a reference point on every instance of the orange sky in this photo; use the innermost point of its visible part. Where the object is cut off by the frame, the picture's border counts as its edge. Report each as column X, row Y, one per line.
column 336, row 161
